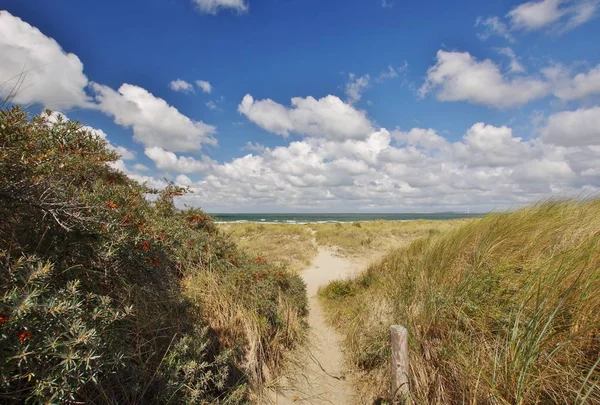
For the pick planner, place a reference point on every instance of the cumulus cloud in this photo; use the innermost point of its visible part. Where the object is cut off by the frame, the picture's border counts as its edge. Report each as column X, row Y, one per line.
column 214, row 6
column 581, row 85
column 417, row 169
column 327, row 117
column 168, row 161
column 154, row 122
column 563, row 15
column 487, row 145
column 38, row 68
column 181, row 86
column 573, row 128
column 458, row 76
column 55, row 79
column 205, row 86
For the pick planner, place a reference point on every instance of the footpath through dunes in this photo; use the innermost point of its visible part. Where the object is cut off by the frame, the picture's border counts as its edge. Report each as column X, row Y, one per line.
column 318, row 376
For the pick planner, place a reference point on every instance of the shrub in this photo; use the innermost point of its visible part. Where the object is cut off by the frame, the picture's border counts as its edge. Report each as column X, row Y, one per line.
column 96, row 303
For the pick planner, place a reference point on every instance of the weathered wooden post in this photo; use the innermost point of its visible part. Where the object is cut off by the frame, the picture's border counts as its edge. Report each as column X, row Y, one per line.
column 399, row 345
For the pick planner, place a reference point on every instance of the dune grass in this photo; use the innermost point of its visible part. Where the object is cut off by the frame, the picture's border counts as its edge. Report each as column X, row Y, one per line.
column 502, row 310
column 372, row 237
column 295, row 245
column 286, row 245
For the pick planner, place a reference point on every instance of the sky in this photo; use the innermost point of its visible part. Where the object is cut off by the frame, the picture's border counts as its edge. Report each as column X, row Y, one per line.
column 324, row 106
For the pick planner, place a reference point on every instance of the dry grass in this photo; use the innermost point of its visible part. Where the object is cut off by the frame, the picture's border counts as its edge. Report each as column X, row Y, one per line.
column 295, row 245
column 503, row 310
column 281, row 244
column 373, row 237
column 264, row 350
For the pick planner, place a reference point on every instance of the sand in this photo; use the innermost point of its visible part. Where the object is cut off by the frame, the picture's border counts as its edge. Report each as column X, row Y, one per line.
column 319, row 377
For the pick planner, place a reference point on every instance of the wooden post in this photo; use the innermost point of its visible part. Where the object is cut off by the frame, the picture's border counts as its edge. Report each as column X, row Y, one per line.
column 399, row 345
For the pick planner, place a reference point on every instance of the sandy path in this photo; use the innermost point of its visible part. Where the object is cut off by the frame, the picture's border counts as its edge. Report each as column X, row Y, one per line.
column 319, row 377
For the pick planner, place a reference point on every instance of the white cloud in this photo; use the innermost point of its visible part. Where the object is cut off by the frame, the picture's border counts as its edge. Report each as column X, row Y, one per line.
column 183, row 180
column 181, row 86
column 205, row 86
column 573, row 128
column 414, row 170
column 38, row 68
column 356, row 87
column 140, row 167
column 561, row 15
column 424, row 138
column 214, row 6
column 493, row 26
column 154, row 122
column 536, row 14
column 56, row 79
column 515, row 66
column 387, row 4
column 254, row 147
column 170, row 162
column 327, row 117
column 582, row 85
column 487, row 145
column 458, row 76
column 390, row 73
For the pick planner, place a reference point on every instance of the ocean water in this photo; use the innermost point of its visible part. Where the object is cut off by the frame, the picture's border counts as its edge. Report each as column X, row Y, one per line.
column 305, row 218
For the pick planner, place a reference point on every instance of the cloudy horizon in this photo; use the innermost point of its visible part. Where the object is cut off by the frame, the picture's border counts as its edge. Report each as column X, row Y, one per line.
column 503, row 112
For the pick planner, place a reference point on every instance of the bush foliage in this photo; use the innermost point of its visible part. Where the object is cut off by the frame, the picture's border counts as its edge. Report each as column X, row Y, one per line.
column 109, row 291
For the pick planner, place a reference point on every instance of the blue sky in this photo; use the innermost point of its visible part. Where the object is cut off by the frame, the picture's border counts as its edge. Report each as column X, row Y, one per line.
column 400, row 106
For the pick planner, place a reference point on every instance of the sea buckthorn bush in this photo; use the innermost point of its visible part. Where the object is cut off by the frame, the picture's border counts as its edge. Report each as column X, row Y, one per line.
column 107, row 288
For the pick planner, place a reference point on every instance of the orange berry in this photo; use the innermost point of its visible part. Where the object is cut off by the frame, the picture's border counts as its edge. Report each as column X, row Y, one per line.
column 24, row 335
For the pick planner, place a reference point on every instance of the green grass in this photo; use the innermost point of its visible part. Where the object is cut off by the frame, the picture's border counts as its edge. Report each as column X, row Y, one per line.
column 502, row 310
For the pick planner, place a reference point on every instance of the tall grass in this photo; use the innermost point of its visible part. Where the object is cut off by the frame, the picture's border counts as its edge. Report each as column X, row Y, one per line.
column 503, row 310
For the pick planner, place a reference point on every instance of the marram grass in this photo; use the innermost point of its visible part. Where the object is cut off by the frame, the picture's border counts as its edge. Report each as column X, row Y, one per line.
column 503, row 310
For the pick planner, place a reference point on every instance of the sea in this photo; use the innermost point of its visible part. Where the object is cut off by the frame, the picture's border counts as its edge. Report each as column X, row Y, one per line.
column 333, row 218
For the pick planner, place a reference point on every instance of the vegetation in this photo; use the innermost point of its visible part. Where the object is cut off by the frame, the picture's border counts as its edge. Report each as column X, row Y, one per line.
column 503, row 310
column 110, row 294
column 295, row 245
column 360, row 238
column 287, row 245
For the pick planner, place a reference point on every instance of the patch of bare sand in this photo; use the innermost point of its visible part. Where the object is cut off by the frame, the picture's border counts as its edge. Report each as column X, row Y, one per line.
column 318, row 375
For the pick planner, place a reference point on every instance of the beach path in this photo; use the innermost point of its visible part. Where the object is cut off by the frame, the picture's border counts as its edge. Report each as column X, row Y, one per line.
column 319, row 376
